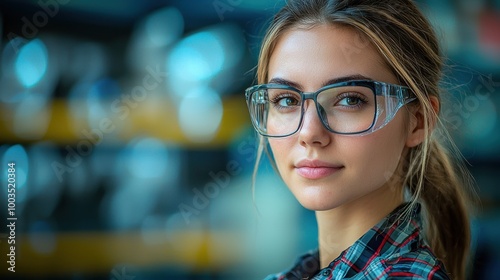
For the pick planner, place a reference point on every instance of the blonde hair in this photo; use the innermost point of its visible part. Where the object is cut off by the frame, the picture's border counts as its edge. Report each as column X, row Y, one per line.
column 406, row 41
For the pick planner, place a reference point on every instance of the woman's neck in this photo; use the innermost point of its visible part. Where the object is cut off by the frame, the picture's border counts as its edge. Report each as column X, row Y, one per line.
column 340, row 227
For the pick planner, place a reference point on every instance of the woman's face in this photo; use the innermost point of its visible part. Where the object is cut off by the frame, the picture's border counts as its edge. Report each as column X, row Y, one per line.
column 322, row 169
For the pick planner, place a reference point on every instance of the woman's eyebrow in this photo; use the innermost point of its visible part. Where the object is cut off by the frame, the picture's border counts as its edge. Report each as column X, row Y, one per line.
column 346, row 78
column 286, row 82
column 282, row 81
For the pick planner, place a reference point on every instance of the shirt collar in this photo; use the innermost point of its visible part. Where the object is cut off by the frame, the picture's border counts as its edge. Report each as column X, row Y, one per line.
column 391, row 235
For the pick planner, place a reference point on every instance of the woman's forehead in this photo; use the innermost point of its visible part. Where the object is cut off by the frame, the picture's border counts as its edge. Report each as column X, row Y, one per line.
column 322, row 52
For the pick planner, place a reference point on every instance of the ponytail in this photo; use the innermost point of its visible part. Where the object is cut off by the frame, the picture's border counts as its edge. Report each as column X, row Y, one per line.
column 444, row 197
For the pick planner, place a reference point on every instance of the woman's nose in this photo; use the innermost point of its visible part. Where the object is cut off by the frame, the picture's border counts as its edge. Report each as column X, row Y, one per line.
column 312, row 131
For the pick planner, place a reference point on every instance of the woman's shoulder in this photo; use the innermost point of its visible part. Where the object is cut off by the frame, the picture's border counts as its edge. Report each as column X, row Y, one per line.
column 417, row 264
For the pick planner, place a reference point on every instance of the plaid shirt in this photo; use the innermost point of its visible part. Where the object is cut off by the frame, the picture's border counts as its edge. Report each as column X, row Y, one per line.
column 387, row 251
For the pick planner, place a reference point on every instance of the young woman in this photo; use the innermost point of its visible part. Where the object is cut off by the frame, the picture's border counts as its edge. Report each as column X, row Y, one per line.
column 347, row 100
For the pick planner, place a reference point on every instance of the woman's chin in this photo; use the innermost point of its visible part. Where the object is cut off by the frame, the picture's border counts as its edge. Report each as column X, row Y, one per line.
column 318, row 203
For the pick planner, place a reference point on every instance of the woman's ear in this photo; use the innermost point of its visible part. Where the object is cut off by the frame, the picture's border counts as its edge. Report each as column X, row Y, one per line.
column 417, row 127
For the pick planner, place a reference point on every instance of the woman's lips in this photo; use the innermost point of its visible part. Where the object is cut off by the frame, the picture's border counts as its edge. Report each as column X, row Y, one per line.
column 311, row 169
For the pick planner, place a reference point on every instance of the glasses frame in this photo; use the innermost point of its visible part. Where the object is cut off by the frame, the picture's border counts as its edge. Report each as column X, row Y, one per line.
column 402, row 93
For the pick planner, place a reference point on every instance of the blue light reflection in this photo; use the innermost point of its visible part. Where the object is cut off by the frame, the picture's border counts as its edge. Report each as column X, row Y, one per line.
column 200, row 114
column 200, row 56
column 31, row 63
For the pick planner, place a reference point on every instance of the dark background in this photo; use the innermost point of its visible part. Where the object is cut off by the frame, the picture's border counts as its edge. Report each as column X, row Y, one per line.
column 134, row 152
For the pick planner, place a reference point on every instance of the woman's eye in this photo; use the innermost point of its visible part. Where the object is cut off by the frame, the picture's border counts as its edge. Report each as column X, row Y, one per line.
column 350, row 101
column 287, row 102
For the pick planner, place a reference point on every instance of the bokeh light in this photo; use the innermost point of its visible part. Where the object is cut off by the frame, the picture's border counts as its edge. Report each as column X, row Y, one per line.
column 17, row 155
column 164, row 26
column 152, row 35
column 146, row 170
column 126, row 207
column 200, row 114
column 201, row 57
column 31, row 63
column 149, row 158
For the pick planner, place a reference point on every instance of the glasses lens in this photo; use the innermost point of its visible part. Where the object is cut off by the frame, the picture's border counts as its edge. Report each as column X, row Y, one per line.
column 275, row 112
column 278, row 112
column 348, row 109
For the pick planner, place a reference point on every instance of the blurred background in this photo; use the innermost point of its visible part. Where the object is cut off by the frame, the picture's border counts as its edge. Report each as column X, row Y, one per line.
column 134, row 152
